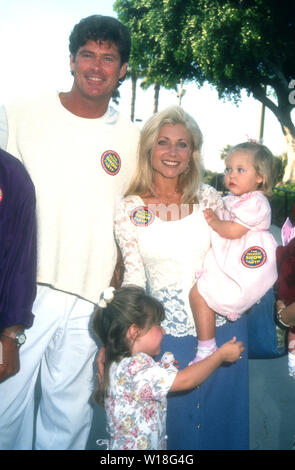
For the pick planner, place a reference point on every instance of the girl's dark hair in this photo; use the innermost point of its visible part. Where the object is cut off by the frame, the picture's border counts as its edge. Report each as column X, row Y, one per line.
column 101, row 28
column 130, row 305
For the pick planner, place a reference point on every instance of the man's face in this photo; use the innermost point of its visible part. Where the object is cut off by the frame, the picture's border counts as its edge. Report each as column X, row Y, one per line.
column 97, row 68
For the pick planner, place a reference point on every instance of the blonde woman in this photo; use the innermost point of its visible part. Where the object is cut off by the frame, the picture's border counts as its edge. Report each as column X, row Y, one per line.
column 164, row 237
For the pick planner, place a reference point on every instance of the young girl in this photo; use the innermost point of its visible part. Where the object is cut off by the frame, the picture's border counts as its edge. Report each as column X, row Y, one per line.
column 135, row 387
column 240, row 267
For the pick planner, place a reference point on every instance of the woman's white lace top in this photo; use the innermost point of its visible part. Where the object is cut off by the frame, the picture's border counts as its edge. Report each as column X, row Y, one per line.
column 164, row 256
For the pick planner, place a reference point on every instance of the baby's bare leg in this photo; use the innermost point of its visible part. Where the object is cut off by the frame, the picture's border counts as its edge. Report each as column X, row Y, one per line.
column 204, row 316
column 205, row 325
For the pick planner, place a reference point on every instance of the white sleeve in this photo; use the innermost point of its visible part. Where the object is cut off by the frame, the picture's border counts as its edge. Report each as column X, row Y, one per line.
column 3, row 128
column 209, row 198
column 253, row 211
column 126, row 236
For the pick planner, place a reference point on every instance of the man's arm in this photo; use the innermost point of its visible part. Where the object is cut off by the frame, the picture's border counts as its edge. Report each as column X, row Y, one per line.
column 18, row 263
column 9, row 351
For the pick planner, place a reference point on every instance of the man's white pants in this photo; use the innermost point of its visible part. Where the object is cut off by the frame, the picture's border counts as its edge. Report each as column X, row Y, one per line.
column 59, row 343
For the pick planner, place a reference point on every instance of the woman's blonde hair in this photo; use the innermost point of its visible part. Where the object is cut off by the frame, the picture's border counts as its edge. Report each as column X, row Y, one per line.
column 263, row 161
column 189, row 180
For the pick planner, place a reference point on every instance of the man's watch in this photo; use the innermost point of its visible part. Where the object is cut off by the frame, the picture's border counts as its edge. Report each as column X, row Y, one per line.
column 19, row 337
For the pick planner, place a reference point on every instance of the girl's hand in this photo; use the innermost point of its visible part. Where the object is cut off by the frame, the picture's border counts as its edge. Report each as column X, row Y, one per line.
column 210, row 216
column 232, row 350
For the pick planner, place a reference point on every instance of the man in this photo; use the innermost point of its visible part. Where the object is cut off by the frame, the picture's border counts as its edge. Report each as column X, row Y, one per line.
column 17, row 260
column 80, row 154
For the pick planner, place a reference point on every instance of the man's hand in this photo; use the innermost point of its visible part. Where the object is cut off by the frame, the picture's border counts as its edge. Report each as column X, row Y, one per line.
column 9, row 358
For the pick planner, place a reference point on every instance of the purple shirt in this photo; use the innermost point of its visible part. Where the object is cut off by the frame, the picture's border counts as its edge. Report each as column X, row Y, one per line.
column 17, row 243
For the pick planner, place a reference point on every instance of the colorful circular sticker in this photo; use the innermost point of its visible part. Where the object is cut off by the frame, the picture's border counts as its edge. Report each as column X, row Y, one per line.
column 254, row 257
column 142, row 216
column 1, row 195
column 111, row 162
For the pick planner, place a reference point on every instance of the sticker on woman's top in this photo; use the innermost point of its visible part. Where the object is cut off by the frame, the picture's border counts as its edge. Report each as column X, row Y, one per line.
column 111, row 162
column 254, row 257
column 142, row 216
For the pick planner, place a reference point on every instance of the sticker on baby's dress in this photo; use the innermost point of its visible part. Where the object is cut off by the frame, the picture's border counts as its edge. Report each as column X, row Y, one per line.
column 1, row 195
column 111, row 162
column 142, row 216
column 254, row 257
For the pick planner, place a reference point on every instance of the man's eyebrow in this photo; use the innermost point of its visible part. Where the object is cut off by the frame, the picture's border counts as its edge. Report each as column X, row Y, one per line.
column 81, row 51
column 89, row 51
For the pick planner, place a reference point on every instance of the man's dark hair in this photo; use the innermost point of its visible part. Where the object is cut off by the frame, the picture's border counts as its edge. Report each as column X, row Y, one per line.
column 101, row 28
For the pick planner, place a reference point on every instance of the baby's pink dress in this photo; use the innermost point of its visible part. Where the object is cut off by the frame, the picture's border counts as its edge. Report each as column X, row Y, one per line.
column 237, row 273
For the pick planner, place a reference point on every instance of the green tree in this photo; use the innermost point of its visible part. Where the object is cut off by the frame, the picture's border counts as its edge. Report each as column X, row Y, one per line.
column 149, row 60
column 144, row 48
column 249, row 45
column 127, row 13
column 232, row 44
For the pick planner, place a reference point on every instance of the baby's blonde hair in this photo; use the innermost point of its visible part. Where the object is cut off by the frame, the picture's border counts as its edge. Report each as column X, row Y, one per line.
column 263, row 161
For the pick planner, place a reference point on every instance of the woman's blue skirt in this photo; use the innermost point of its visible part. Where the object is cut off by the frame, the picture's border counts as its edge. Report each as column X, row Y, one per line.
column 214, row 415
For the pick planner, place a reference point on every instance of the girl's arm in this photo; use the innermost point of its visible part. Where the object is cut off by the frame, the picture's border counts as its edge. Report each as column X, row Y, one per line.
column 224, row 228
column 195, row 374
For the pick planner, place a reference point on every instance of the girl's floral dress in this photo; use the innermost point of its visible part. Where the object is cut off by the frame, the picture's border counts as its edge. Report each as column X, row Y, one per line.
column 136, row 402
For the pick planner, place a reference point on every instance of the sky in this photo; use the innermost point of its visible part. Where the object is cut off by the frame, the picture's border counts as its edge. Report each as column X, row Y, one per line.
column 34, row 59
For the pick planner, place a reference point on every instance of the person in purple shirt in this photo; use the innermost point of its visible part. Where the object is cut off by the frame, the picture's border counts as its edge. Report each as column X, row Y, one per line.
column 17, row 260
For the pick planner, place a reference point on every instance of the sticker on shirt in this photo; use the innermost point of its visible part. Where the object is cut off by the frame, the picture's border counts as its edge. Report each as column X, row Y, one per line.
column 111, row 162
column 254, row 257
column 142, row 216
column 1, row 195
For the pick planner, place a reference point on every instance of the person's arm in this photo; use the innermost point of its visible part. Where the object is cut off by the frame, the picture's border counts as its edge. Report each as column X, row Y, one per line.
column 18, row 278
column 197, row 373
column 118, row 274
column 286, row 314
column 100, row 362
column 224, row 228
column 126, row 237
column 9, row 352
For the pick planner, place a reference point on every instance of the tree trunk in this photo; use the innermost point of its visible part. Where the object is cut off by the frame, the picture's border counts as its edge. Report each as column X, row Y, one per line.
column 283, row 114
column 133, row 95
column 156, row 97
column 289, row 173
column 180, row 92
